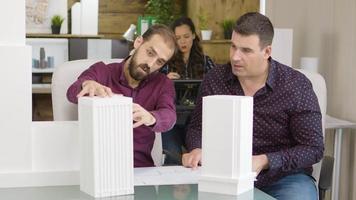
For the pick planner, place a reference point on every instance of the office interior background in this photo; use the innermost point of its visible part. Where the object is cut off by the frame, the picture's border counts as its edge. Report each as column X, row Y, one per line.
column 325, row 29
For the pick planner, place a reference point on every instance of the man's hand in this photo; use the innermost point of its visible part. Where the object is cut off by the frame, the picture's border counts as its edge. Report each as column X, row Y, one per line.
column 142, row 116
column 192, row 159
column 259, row 163
column 173, row 75
column 93, row 88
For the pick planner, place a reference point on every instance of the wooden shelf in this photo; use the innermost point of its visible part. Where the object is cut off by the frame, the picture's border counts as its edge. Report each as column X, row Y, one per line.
column 41, row 88
column 218, row 50
column 47, row 35
column 215, row 41
column 42, row 71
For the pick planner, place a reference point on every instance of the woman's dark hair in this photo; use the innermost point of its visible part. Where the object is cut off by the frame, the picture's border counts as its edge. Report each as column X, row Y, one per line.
column 195, row 66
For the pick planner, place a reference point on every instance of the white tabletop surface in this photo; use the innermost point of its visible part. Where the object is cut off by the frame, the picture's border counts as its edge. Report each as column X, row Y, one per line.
column 332, row 123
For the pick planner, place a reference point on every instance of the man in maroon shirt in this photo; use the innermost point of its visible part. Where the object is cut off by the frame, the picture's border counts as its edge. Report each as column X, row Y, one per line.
column 287, row 130
column 152, row 92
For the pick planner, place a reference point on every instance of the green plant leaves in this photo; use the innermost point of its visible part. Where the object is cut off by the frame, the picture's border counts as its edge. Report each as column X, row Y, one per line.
column 57, row 20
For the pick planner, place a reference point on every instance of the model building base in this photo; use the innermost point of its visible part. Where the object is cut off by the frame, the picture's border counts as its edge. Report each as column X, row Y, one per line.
column 227, row 186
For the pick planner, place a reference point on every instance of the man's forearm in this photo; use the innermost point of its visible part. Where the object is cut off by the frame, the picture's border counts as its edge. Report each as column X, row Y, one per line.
column 298, row 157
column 165, row 119
column 73, row 91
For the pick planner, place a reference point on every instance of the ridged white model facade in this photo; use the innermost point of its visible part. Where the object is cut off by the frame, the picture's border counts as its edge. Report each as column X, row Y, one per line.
column 227, row 145
column 106, row 146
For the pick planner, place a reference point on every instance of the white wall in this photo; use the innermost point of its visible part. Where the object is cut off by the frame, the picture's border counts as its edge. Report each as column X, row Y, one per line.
column 311, row 22
column 327, row 29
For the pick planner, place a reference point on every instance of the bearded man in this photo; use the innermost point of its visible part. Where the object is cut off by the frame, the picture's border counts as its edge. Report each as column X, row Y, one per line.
column 137, row 76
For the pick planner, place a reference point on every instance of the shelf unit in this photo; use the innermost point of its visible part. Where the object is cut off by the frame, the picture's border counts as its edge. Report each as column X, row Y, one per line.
column 215, row 41
column 41, row 88
column 218, row 50
column 67, row 36
column 42, row 71
column 41, row 91
column 45, row 88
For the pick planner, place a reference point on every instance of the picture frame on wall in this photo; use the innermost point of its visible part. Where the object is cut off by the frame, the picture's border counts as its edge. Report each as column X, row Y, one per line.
column 40, row 12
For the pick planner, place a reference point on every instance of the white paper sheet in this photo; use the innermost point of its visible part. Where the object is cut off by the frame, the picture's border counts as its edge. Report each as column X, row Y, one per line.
column 169, row 175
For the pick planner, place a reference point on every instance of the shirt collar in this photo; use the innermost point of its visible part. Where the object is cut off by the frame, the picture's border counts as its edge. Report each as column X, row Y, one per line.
column 229, row 76
column 122, row 77
column 271, row 78
column 272, row 74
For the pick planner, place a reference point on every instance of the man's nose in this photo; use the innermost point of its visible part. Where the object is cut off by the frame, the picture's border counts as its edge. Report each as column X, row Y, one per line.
column 183, row 40
column 152, row 62
column 236, row 56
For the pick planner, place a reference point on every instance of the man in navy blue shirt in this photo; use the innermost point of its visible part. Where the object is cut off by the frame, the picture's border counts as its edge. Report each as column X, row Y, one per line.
column 287, row 127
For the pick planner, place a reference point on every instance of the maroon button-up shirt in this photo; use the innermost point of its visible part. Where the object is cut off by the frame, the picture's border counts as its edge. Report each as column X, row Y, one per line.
column 156, row 94
column 286, row 119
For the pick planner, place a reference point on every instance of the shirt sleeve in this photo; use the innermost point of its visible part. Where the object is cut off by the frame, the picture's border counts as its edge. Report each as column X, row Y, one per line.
column 165, row 112
column 306, row 129
column 95, row 72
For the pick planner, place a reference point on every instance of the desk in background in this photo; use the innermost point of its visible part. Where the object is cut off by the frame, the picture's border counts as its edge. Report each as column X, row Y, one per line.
column 186, row 93
column 337, row 125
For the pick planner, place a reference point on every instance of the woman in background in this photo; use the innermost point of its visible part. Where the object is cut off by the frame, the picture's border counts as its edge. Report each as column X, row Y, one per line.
column 189, row 63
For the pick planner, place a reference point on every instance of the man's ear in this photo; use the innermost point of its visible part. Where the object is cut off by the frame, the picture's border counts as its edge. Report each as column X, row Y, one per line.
column 138, row 42
column 267, row 51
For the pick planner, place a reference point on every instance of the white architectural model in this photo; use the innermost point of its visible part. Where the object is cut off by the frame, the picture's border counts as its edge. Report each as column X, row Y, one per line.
column 106, row 146
column 15, row 118
column 227, row 145
column 76, row 18
column 89, row 11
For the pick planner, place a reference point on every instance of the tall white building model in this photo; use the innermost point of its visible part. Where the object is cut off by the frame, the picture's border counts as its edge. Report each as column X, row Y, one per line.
column 227, row 145
column 106, row 146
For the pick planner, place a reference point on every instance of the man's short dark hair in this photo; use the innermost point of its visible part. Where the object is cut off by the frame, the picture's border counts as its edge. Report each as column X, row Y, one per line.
column 254, row 23
column 165, row 32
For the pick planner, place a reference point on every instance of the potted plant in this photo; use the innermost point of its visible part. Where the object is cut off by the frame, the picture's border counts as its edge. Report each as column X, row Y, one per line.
column 161, row 10
column 203, row 25
column 56, row 23
column 227, row 25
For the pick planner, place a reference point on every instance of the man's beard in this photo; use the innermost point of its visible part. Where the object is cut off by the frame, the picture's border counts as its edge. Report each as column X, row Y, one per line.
column 134, row 71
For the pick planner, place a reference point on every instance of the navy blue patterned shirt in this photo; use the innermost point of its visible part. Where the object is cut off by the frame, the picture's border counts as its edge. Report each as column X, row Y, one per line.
column 287, row 124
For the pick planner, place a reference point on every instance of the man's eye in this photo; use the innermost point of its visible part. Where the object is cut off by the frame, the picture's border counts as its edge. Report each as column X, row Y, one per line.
column 159, row 63
column 246, row 50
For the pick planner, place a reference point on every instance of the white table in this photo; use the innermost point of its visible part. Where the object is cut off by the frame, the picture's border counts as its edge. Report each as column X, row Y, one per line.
column 151, row 183
column 338, row 125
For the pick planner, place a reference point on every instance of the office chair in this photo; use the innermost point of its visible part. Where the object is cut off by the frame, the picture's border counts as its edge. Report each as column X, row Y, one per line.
column 63, row 110
column 325, row 179
column 322, row 171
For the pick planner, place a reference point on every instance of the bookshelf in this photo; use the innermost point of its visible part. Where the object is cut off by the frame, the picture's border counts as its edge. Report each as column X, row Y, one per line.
column 68, row 36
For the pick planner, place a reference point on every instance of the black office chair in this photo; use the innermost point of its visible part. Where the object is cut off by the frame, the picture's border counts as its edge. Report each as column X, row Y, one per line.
column 326, row 176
